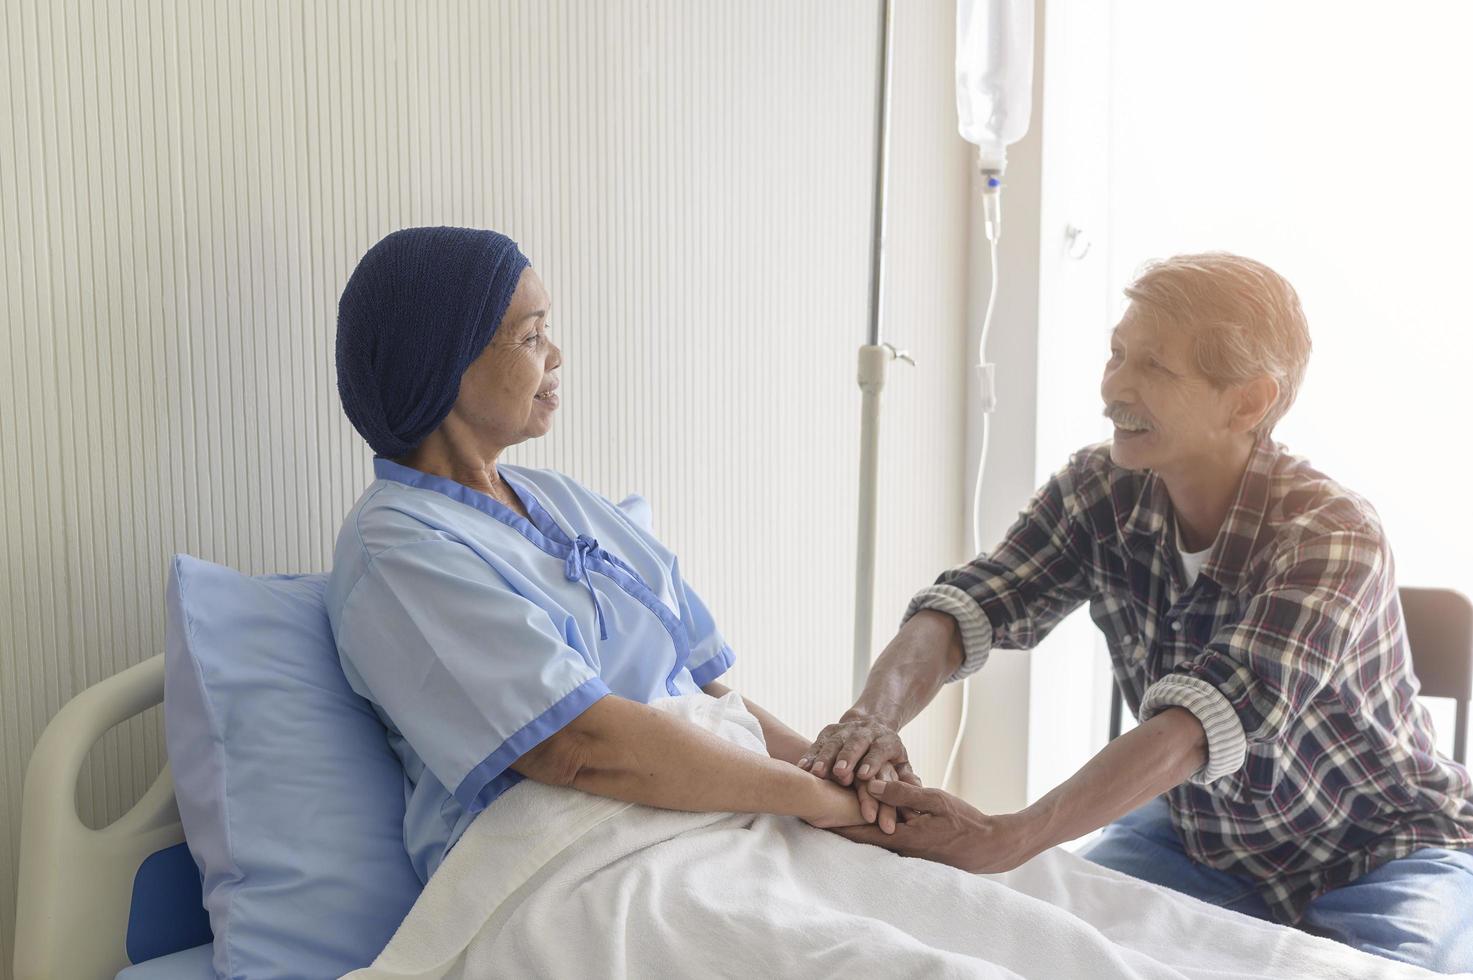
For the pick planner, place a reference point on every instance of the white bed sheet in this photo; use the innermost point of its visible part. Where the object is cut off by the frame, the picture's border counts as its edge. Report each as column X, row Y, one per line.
column 553, row 882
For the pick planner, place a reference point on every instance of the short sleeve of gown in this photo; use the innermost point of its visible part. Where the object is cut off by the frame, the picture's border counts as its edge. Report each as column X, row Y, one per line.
column 472, row 674
column 710, row 656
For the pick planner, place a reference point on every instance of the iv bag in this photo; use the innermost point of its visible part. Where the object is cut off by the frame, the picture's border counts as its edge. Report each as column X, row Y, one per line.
column 994, row 75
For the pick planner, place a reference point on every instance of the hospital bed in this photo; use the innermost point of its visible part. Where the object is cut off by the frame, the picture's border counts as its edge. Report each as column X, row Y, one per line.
column 92, row 902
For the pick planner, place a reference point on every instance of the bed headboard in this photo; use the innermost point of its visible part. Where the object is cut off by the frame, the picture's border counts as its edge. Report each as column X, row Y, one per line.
column 92, row 901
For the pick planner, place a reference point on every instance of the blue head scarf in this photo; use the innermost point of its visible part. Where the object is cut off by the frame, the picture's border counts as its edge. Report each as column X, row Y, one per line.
column 420, row 307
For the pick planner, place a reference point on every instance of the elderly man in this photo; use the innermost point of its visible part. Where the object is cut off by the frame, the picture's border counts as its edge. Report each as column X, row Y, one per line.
column 1283, row 766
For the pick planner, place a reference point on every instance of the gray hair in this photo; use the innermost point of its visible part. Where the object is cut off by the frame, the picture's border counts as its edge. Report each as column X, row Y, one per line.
column 1244, row 319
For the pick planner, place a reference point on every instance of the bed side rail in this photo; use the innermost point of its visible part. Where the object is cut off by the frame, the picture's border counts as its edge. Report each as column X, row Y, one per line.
column 75, row 883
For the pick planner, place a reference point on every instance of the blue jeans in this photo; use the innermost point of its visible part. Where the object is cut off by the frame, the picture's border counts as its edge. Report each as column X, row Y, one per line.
column 1417, row 909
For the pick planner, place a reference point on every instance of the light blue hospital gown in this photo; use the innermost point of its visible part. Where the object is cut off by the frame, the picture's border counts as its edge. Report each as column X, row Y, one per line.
column 476, row 634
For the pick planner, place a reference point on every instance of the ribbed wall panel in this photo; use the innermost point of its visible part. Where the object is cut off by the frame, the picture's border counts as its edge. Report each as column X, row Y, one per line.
column 185, row 187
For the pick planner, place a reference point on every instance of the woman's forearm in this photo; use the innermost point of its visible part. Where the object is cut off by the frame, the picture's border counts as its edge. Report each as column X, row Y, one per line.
column 782, row 742
column 629, row 751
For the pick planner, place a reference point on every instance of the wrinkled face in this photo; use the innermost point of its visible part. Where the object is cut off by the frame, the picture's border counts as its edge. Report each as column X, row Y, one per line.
column 1168, row 417
column 509, row 394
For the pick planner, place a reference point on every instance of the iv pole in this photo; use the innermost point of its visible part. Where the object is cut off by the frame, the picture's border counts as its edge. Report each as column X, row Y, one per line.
column 874, row 359
column 1001, row 29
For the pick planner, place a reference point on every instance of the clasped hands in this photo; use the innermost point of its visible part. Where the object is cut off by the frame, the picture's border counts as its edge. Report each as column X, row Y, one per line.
column 900, row 814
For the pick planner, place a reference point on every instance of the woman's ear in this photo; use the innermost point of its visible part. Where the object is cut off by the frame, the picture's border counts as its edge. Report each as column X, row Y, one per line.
column 1254, row 399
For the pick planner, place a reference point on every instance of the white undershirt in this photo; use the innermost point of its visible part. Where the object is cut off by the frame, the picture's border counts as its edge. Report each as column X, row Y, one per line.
column 1191, row 562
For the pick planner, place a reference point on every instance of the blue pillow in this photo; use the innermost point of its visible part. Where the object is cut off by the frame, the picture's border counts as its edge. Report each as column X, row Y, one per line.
column 291, row 799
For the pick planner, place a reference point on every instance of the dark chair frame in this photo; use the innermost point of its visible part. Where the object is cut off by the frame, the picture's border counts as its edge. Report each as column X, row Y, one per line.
column 1439, row 625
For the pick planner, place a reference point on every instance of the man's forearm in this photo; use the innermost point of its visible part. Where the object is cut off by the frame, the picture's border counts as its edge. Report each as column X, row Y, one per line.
column 911, row 670
column 1127, row 773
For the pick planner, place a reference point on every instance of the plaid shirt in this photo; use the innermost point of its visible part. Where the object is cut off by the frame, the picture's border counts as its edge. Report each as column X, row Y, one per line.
column 1289, row 648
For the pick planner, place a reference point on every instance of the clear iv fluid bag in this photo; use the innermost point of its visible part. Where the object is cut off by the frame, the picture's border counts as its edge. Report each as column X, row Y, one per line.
column 994, row 75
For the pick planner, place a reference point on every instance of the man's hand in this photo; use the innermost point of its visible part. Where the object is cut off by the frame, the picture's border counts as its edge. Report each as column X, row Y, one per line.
column 859, row 746
column 834, row 752
column 909, row 672
column 940, row 827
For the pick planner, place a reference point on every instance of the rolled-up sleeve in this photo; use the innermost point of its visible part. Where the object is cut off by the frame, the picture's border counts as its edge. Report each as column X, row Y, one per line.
column 1257, row 675
column 1014, row 596
column 472, row 674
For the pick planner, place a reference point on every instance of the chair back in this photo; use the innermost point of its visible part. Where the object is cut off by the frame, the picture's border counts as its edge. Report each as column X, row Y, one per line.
column 1439, row 625
column 1440, row 632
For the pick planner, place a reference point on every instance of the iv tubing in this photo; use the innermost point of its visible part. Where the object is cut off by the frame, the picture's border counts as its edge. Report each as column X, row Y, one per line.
column 992, row 225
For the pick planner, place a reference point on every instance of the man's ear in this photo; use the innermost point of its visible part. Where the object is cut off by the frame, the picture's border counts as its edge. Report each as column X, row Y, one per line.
column 1254, row 400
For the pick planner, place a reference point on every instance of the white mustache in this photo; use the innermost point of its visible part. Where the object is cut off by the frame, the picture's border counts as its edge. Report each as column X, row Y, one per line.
column 1121, row 415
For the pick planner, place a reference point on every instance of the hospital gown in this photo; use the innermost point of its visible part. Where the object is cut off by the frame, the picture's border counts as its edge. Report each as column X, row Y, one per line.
column 477, row 634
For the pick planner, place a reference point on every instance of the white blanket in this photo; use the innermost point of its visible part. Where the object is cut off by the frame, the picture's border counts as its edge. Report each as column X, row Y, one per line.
column 557, row 883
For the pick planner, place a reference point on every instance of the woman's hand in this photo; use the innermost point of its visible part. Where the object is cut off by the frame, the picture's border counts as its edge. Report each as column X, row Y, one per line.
column 833, row 806
column 837, row 807
column 883, row 815
column 834, row 752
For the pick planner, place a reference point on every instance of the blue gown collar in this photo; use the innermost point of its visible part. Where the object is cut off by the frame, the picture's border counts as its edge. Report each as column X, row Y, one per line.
column 542, row 530
column 541, row 527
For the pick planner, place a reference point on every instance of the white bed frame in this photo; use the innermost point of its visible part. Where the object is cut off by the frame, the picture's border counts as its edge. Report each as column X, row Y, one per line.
column 76, row 884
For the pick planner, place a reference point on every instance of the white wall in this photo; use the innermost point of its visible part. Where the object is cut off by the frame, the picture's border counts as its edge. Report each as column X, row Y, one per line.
column 185, row 188
column 1340, row 160
column 1069, row 697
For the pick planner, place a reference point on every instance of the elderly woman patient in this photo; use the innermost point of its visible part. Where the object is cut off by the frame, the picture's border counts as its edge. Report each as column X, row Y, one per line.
column 508, row 622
